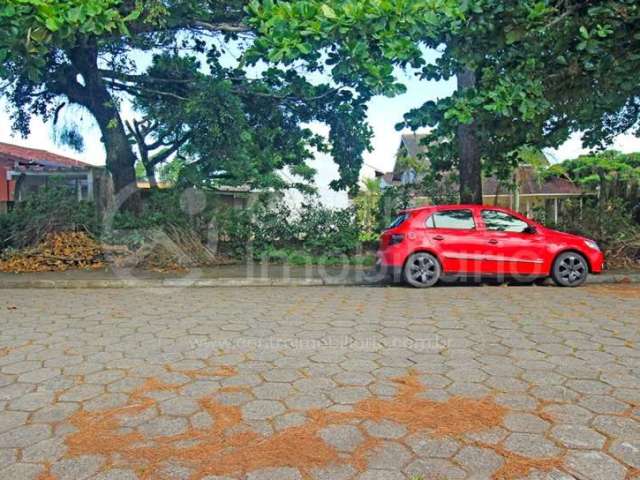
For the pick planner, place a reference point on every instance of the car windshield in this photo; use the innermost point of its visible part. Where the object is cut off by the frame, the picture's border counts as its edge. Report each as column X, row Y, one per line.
column 399, row 220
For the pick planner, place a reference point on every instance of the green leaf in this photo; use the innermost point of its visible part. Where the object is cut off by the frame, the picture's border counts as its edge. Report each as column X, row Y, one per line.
column 328, row 12
column 304, row 48
column 584, row 32
column 52, row 24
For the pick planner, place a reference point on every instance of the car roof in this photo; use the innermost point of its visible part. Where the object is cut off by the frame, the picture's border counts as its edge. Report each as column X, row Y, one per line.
column 454, row 207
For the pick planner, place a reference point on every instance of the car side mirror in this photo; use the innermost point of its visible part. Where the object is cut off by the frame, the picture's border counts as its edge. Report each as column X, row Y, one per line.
column 530, row 229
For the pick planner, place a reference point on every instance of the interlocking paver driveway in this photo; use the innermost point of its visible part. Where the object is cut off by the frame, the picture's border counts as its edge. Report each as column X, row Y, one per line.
column 320, row 383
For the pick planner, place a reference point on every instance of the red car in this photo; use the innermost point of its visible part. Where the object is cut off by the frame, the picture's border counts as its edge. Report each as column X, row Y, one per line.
column 424, row 244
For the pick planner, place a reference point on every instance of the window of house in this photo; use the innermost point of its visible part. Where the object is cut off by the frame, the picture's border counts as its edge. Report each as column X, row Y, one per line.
column 454, row 219
column 502, row 222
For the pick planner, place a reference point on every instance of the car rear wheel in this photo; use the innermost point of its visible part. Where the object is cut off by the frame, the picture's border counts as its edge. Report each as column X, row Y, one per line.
column 570, row 270
column 422, row 270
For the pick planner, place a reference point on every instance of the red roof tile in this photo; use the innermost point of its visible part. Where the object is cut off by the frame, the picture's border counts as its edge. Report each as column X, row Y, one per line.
column 23, row 154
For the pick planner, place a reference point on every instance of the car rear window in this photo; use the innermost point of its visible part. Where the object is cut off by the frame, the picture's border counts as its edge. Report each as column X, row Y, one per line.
column 454, row 219
column 399, row 220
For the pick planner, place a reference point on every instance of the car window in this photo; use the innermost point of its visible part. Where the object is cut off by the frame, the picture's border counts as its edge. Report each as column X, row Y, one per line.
column 503, row 222
column 455, row 219
column 399, row 220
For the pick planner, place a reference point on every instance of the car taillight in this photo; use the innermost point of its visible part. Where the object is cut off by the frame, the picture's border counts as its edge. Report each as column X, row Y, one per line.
column 396, row 238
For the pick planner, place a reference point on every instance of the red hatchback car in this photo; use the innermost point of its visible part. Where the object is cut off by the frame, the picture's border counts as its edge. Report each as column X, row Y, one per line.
column 424, row 244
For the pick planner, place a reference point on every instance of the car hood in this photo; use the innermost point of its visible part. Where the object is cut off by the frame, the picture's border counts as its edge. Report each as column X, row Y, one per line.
column 564, row 236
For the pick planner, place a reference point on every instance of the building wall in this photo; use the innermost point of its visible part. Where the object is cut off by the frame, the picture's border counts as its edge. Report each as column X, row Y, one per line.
column 7, row 187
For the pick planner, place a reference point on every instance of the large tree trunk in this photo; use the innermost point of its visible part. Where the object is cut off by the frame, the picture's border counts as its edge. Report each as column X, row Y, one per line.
column 150, row 169
column 470, row 163
column 95, row 96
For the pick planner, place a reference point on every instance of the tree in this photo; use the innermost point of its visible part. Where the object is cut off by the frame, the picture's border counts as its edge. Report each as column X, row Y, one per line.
column 367, row 203
column 529, row 72
column 87, row 52
column 613, row 174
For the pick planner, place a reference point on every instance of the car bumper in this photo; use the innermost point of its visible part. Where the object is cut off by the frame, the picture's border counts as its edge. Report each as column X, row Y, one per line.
column 596, row 261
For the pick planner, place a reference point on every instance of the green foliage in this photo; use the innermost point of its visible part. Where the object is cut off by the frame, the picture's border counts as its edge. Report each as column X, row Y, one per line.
column 367, row 204
column 236, row 131
column 49, row 209
column 276, row 233
column 542, row 70
column 393, row 200
column 31, row 29
column 229, row 127
column 613, row 175
column 611, row 224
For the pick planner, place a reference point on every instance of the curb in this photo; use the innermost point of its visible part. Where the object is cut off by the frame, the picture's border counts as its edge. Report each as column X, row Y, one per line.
column 18, row 283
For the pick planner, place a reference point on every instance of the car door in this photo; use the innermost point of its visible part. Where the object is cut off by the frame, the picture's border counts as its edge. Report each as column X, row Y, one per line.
column 454, row 236
column 513, row 246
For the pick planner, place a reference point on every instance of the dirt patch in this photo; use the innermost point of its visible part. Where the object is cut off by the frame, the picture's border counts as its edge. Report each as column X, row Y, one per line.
column 231, row 448
column 621, row 290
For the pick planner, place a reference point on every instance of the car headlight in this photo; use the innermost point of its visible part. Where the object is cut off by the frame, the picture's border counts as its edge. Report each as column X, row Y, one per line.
column 592, row 244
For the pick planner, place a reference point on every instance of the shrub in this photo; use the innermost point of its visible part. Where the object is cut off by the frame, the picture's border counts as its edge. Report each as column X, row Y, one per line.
column 48, row 210
column 611, row 224
column 273, row 233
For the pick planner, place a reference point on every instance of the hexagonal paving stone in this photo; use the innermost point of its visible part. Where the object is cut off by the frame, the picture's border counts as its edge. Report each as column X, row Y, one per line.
column 525, row 423
column 25, row 435
column 334, row 472
column 307, row 402
column 281, row 375
column 628, row 451
column 262, row 409
column 178, row 406
column 9, row 420
column 380, row 475
column 426, row 447
column 117, row 474
column 81, row 393
column 164, row 426
column 77, row 468
column 348, row 395
column 47, row 451
column 531, row 445
column 578, row 436
column 435, row 468
column 344, row 438
column 595, row 466
column 385, row 429
column 273, row 391
column 32, row 401
column 23, row 471
column 481, row 462
column 388, row 455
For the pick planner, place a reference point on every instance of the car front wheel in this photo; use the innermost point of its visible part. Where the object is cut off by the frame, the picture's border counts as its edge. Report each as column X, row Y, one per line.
column 422, row 270
column 570, row 270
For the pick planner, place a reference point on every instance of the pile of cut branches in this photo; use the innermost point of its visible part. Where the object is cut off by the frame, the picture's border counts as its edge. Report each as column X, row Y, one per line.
column 57, row 252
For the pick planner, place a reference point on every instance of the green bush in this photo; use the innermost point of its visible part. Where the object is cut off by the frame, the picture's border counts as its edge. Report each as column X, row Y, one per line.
column 47, row 210
column 310, row 234
column 611, row 224
column 278, row 233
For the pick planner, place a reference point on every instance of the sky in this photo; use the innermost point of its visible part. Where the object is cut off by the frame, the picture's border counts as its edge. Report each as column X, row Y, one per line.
column 384, row 114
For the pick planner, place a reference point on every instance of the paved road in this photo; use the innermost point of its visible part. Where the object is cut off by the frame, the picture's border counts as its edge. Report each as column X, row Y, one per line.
column 320, row 383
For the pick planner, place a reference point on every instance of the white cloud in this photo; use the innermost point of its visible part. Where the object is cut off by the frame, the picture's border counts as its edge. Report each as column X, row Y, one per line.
column 573, row 148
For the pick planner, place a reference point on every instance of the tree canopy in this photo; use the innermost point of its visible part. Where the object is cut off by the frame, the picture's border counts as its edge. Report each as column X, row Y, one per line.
column 530, row 72
column 227, row 125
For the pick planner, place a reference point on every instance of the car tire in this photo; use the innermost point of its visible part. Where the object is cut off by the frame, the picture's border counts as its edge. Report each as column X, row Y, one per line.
column 570, row 269
column 422, row 270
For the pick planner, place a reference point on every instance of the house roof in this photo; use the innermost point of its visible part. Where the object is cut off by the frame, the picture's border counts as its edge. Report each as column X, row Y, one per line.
column 411, row 142
column 531, row 185
column 10, row 154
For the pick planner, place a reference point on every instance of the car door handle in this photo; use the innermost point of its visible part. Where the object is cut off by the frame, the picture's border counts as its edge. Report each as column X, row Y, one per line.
column 493, row 241
column 438, row 237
